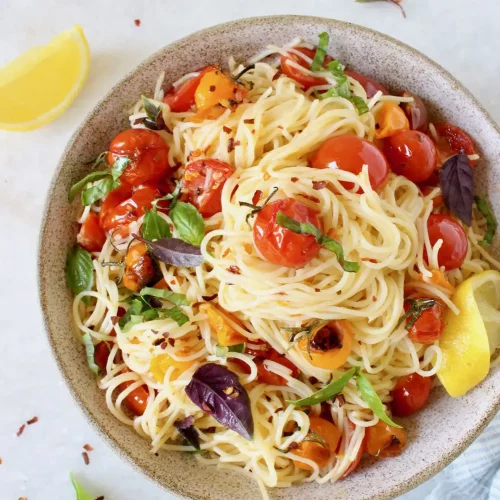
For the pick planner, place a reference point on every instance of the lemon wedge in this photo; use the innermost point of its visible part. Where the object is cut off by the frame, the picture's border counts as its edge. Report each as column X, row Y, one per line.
column 40, row 84
column 469, row 338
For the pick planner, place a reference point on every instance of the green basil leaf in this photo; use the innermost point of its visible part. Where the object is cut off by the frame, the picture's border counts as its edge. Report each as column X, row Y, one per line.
column 150, row 314
column 79, row 271
column 119, row 167
column 89, row 350
column 154, row 226
column 135, row 319
column 136, row 307
column 81, row 494
column 221, row 350
column 491, row 223
column 101, row 189
column 324, row 240
column 176, row 314
column 175, row 298
column 92, row 177
column 333, row 388
column 154, row 120
column 360, row 103
column 319, row 57
column 370, row 397
column 343, row 88
column 188, row 222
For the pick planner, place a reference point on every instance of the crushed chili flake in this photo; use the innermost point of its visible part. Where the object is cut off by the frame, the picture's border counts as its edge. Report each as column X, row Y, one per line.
column 367, row 259
column 86, row 457
column 253, row 131
column 137, row 22
column 158, row 342
column 0, row 461
column 226, row 252
column 249, row 120
column 318, row 185
column 230, row 145
column 33, row 420
column 88, row 447
column 374, row 299
column 310, row 198
column 294, row 179
column 211, row 88
column 114, row 320
column 171, row 342
column 100, row 498
column 256, row 197
column 227, row 129
column 209, row 298
column 280, row 127
column 277, row 75
column 313, row 380
column 165, row 335
column 234, row 269
column 340, row 399
column 21, row 430
column 317, row 290
column 163, row 345
column 293, row 446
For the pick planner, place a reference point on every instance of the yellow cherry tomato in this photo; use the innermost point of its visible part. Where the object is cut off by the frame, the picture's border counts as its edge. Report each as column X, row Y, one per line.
column 384, row 441
column 390, row 119
column 219, row 322
column 162, row 362
column 217, row 88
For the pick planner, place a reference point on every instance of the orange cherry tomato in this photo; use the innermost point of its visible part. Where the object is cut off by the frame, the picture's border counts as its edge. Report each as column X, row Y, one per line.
column 389, row 120
column 147, row 151
column 359, row 455
column 429, row 325
column 217, row 88
column 280, row 245
column 91, row 236
column 350, row 153
column 319, row 452
column 384, row 441
column 269, row 377
column 181, row 98
column 452, row 140
column 411, row 153
column 455, row 244
column 203, row 181
column 370, row 85
column 306, row 81
column 415, row 111
column 137, row 400
column 410, row 394
column 139, row 267
column 101, row 355
column 329, row 345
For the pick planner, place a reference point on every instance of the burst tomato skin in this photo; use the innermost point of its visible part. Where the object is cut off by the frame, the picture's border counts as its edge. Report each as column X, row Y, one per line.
column 137, row 400
column 385, row 441
column 453, row 140
column 306, row 81
column 269, row 377
column 148, row 154
column 91, row 236
column 410, row 394
column 279, row 245
column 370, row 85
column 429, row 325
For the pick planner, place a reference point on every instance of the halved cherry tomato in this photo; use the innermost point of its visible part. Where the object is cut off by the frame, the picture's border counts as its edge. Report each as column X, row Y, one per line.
column 323, row 443
column 410, row 394
column 350, row 153
column 370, row 85
column 269, row 377
column 147, row 151
column 415, row 111
column 218, row 319
column 389, row 120
column 411, row 153
column 203, row 181
column 306, row 81
column 280, row 245
column 101, row 355
column 139, row 267
column 217, row 88
column 455, row 245
column 452, row 140
column 137, row 400
column 91, row 236
column 429, row 325
column 359, row 455
column 181, row 98
column 384, row 441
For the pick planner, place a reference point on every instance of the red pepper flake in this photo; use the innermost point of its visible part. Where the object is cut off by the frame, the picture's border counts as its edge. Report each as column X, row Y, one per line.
column 227, row 129
column 86, row 458
column 374, row 299
column 249, row 120
column 280, row 127
column 256, row 197
column 171, row 342
column 114, row 320
column 319, row 185
column 21, row 430
column 294, row 179
column 209, row 298
column 340, row 400
column 317, row 290
column 100, row 498
column 34, row 420
column 313, row 380
column 88, row 447
column 253, row 131
column 137, row 22
column 367, row 259
column 230, row 145
column 237, row 143
column 211, row 88
column 277, row 75
column 311, row 198
column 163, row 345
column 0, row 461
column 234, row 191
column 234, row 269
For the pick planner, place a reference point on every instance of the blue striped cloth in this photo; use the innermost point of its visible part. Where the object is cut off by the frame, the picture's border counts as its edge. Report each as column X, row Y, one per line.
column 474, row 475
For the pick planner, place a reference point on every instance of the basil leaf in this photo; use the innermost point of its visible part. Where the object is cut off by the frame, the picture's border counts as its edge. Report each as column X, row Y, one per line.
column 491, row 223
column 371, row 398
column 134, row 320
column 174, row 251
column 332, row 389
column 218, row 392
column 188, row 222
column 101, row 189
column 92, row 177
column 319, row 57
column 135, row 309
column 154, row 121
column 324, row 240
column 154, row 226
column 176, row 314
column 119, row 167
column 360, row 104
column 221, row 350
column 342, row 89
column 188, row 431
column 457, row 185
column 81, row 494
column 89, row 350
column 175, row 298
column 79, row 271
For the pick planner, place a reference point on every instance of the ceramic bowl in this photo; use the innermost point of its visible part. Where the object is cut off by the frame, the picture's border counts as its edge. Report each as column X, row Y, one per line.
column 436, row 435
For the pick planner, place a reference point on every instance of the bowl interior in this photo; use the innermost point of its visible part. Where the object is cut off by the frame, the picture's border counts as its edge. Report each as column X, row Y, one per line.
column 437, row 434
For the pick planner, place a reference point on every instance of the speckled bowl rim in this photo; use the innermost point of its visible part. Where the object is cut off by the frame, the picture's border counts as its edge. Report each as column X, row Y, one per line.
column 417, row 478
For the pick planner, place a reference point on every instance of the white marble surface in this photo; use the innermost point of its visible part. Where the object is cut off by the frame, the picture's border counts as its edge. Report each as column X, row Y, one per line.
column 459, row 34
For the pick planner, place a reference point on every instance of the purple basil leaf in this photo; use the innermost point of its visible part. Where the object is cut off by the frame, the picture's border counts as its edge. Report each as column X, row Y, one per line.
column 457, row 185
column 218, row 392
column 174, row 251
column 188, row 431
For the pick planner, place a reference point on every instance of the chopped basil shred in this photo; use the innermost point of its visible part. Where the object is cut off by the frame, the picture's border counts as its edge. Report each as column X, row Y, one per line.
column 99, row 190
column 491, row 223
column 89, row 350
column 221, row 350
column 175, row 298
column 319, row 57
column 92, row 177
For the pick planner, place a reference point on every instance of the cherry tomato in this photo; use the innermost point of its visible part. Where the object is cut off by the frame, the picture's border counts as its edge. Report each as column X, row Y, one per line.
column 147, row 151
column 411, row 153
column 350, row 153
column 359, row 455
column 280, row 245
column 269, row 377
column 370, row 85
column 384, row 441
column 139, row 267
column 91, row 236
column 429, row 325
column 181, row 98
column 306, row 81
column 455, row 245
column 101, row 355
column 137, row 400
column 390, row 119
column 203, row 181
column 415, row 111
column 410, row 394
column 452, row 140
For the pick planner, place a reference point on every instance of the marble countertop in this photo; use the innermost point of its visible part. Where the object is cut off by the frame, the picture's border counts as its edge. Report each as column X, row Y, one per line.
column 458, row 34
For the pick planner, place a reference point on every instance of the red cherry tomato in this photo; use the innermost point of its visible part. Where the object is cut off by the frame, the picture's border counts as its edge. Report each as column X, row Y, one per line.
column 429, row 325
column 415, row 111
column 204, row 180
column 350, row 153
column 101, row 355
column 269, row 377
column 181, row 98
column 91, row 236
column 411, row 153
column 452, row 140
column 455, row 245
column 147, row 151
column 280, row 245
column 359, row 455
column 306, row 81
column 137, row 400
column 410, row 394
column 370, row 85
